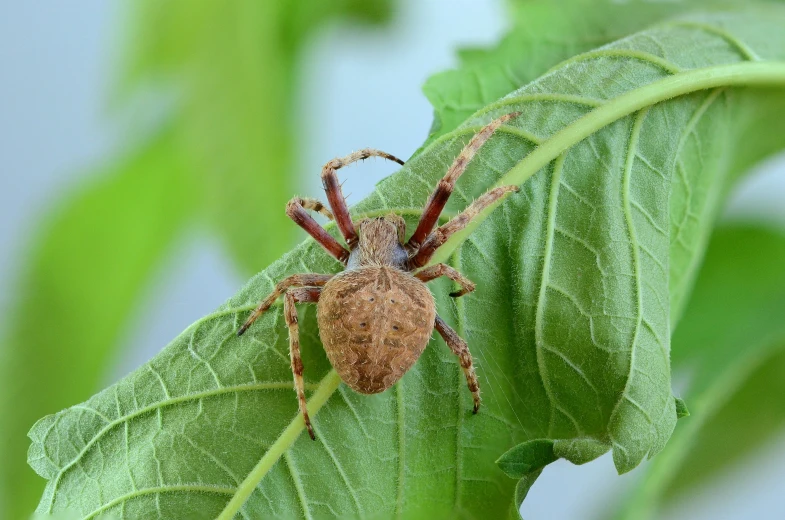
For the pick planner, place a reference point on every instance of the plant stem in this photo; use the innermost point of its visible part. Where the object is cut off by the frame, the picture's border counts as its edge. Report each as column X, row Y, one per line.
column 738, row 74
column 326, row 387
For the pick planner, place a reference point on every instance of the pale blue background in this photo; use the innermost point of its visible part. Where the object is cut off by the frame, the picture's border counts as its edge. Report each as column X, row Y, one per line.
column 56, row 62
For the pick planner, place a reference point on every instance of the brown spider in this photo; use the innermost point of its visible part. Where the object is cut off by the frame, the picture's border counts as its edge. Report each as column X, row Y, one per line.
column 376, row 317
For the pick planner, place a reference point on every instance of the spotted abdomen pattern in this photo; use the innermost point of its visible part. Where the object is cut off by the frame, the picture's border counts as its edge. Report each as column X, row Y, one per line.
column 374, row 323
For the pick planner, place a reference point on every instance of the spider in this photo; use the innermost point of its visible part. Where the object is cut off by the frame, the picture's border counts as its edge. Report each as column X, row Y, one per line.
column 376, row 316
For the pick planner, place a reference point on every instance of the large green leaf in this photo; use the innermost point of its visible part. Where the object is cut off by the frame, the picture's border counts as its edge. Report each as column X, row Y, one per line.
column 732, row 342
column 234, row 66
column 577, row 275
column 88, row 266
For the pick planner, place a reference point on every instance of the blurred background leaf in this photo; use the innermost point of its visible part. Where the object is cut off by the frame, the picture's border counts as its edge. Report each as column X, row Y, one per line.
column 752, row 417
column 224, row 158
column 545, row 33
column 731, row 344
column 84, row 275
column 236, row 70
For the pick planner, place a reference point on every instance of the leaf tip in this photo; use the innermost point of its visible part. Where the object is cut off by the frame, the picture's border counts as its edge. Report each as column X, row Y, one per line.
column 681, row 408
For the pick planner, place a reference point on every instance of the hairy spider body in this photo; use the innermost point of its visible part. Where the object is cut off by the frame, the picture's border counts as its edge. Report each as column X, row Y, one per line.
column 376, row 317
column 374, row 323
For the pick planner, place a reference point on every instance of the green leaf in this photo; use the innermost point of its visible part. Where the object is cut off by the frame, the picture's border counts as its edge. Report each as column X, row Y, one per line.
column 528, row 457
column 235, row 68
column 546, row 33
column 742, row 425
column 732, row 343
column 527, row 460
column 87, row 268
column 681, row 409
column 532, row 456
column 623, row 155
column 521, row 492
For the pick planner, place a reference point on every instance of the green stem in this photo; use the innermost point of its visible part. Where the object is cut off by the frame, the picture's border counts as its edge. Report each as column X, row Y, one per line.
column 746, row 74
column 326, row 387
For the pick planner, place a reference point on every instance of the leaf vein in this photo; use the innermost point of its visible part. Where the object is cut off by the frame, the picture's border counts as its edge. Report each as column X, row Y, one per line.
column 742, row 48
column 546, row 265
column 185, row 488
column 642, row 56
column 352, row 492
column 162, row 404
column 298, row 485
column 627, row 174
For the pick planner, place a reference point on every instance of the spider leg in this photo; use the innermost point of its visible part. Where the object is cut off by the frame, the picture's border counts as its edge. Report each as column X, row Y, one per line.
column 435, row 205
column 335, row 195
column 296, row 280
column 317, row 206
column 293, row 296
column 297, row 208
column 460, row 221
column 435, row 271
column 460, row 349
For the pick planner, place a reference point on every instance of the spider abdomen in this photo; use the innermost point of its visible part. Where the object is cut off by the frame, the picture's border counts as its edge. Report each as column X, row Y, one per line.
column 374, row 322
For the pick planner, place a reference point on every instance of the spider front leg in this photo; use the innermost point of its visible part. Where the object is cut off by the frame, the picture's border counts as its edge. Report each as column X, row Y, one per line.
column 315, row 205
column 335, row 195
column 460, row 349
column 435, row 205
column 296, row 280
column 435, row 271
column 293, row 296
column 297, row 208
column 436, row 239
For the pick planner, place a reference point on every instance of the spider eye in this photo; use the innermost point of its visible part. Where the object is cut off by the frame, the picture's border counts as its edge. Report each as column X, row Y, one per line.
column 371, row 299
column 392, row 301
column 362, row 324
column 395, row 327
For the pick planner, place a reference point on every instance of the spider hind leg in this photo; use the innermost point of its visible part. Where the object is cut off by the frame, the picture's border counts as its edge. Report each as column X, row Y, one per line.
column 294, row 296
column 460, row 349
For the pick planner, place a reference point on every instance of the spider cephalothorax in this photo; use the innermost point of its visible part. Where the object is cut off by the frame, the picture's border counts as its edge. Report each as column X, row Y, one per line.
column 376, row 317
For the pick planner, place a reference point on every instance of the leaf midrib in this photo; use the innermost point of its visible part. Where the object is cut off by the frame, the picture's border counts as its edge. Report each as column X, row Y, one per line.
column 737, row 74
column 745, row 73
